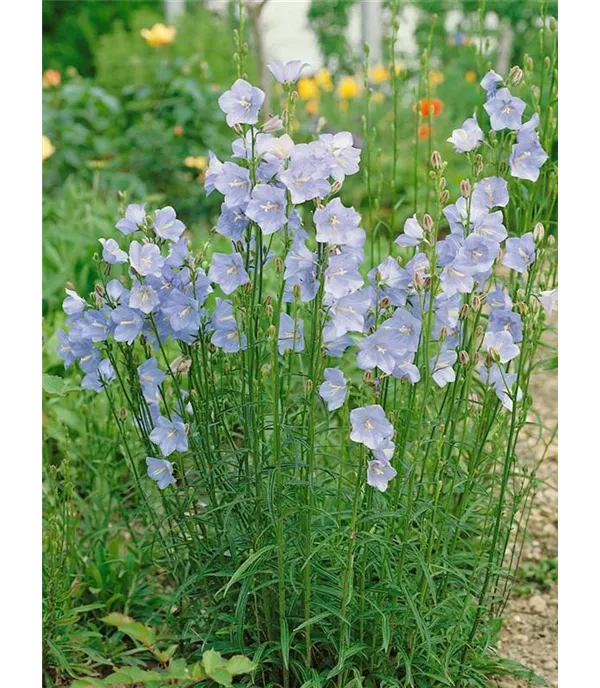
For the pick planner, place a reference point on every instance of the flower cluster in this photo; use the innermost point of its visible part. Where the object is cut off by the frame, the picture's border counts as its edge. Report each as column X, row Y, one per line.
column 401, row 320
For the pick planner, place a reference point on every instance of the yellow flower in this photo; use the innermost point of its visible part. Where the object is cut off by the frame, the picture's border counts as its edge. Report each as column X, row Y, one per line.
column 312, row 106
column 51, row 77
column 199, row 162
column 323, row 80
column 96, row 164
column 348, row 87
column 400, row 67
column 379, row 74
column 47, row 148
column 307, row 88
column 159, row 35
column 470, row 77
column 378, row 96
column 436, row 78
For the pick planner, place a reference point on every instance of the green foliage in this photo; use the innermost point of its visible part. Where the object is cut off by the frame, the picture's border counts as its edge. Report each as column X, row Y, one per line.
column 71, row 29
column 535, row 577
column 330, row 19
column 213, row 667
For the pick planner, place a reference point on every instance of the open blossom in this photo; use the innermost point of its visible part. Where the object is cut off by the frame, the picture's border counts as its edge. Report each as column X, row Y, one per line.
column 135, row 215
column 468, row 137
column 305, row 181
column 478, row 252
column 413, row 233
column 161, row 471
column 291, row 334
column 233, row 222
column 370, row 426
column 491, row 82
column 342, row 276
column 379, row 350
column 500, row 346
column 166, row 224
column 234, row 183
column 379, row 474
column 159, row 35
column 241, row 103
column 337, row 224
column 275, row 148
column 334, row 389
column 348, row 313
column 286, row 72
column 151, row 377
column 146, row 259
column 391, row 281
column 73, row 304
column 215, row 167
column 549, row 300
column 505, row 110
column 99, row 377
column 170, row 435
column 183, row 312
column 507, row 320
column 128, row 323
column 520, row 252
column 441, row 367
column 143, row 297
column 489, row 193
column 526, row 159
column 227, row 270
column 343, row 158
column 405, row 328
column 112, row 253
column 267, row 208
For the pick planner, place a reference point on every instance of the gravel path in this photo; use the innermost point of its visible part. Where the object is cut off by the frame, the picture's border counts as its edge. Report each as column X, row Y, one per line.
column 530, row 631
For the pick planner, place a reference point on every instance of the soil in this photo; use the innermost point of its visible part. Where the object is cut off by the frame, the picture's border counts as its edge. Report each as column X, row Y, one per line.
column 530, row 630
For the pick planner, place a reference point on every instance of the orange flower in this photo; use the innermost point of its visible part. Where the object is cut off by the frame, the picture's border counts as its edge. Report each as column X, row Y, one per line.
column 434, row 106
column 51, row 77
column 312, row 106
column 424, row 132
column 470, row 77
column 178, row 130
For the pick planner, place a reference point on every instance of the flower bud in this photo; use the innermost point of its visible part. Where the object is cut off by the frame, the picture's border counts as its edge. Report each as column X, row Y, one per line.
column 552, row 24
column 432, row 174
column 520, row 294
column 385, row 302
column 265, row 370
column 428, row 222
column 226, row 368
column 296, row 290
column 335, row 187
column 476, row 303
column 238, row 129
column 99, row 289
column 522, row 308
column 477, row 359
column 278, row 265
column 535, row 91
column 181, row 364
column 479, row 331
column 272, row 125
column 122, row 413
column 494, row 355
column 515, row 76
column 478, row 163
column 211, row 347
column 443, row 333
column 445, row 196
column 368, row 377
column 308, row 386
column 463, row 357
column 391, row 417
column 442, row 183
column 271, row 330
column 269, row 310
column 436, row 160
column 551, row 240
column 465, row 188
column 538, row 231
column 464, row 311
column 528, row 62
column 503, row 166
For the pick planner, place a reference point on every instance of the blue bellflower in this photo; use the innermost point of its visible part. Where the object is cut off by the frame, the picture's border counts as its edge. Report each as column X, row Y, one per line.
column 370, row 426
column 241, row 103
column 334, row 389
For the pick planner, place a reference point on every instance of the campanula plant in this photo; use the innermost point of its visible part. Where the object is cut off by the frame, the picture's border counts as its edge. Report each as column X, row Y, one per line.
column 326, row 445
